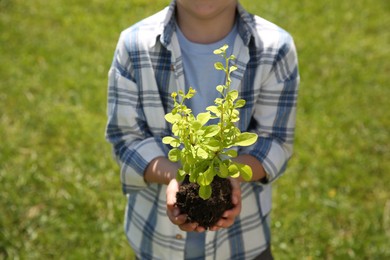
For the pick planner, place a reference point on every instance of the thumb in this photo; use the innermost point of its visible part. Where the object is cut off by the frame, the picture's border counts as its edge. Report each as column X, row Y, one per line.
column 172, row 189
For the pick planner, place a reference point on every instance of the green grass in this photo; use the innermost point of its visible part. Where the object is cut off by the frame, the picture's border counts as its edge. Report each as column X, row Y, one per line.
column 61, row 197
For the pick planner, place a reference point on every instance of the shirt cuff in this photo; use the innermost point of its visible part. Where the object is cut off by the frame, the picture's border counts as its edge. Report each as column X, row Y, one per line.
column 136, row 161
column 271, row 155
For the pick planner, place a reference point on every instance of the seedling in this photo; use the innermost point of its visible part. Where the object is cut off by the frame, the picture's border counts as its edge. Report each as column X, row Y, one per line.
column 205, row 150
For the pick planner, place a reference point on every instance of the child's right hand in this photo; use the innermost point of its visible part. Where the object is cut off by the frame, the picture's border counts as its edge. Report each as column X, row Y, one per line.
column 173, row 211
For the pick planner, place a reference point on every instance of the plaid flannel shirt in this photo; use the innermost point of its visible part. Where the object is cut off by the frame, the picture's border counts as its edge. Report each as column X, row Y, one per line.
column 146, row 69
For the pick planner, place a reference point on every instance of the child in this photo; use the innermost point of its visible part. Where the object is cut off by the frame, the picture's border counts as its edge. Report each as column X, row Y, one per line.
column 173, row 50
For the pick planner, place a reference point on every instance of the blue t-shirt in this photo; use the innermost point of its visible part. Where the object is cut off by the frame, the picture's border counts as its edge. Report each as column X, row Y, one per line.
column 200, row 74
column 199, row 71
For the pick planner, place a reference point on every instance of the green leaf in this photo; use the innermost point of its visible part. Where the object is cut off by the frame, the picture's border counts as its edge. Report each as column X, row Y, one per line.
column 240, row 103
column 206, row 178
column 211, row 130
column 232, row 57
column 191, row 92
column 174, row 111
column 196, row 125
column 221, row 50
column 245, row 139
column 205, row 192
column 168, row 139
column 238, row 169
column 193, row 177
column 174, row 155
column 233, row 171
column 186, row 167
column 232, row 68
column 213, row 145
column 203, row 118
column 201, row 180
column 175, row 129
column 231, row 153
column 220, row 88
column 192, row 151
column 218, row 101
column 213, row 109
column 218, row 51
column 223, row 170
column 245, row 171
column 219, row 66
column 235, row 112
column 181, row 174
column 187, row 111
column 171, row 141
column 202, row 153
column 172, row 118
column 234, row 119
column 233, row 94
column 175, row 143
column 200, row 132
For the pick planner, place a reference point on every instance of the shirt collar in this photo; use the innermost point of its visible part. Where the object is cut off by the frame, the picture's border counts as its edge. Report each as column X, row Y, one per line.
column 246, row 24
column 169, row 24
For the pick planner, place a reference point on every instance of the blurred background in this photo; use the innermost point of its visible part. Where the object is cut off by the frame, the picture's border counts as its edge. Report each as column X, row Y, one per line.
column 60, row 195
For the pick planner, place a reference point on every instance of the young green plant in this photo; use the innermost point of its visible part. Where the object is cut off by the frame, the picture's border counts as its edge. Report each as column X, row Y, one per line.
column 205, row 150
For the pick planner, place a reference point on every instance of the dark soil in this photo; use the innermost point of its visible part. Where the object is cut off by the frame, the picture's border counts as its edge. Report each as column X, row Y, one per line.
column 205, row 212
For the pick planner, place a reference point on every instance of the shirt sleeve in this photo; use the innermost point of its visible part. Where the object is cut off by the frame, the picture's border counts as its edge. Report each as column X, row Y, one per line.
column 275, row 111
column 127, row 130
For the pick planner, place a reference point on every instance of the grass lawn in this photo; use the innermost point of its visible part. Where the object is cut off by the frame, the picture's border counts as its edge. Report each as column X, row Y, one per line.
column 61, row 197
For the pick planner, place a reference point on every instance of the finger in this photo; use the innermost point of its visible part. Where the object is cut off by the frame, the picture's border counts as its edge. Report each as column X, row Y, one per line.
column 229, row 216
column 233, row 212
column 236, row 191
column 200, row 229
column 175, row 217
column 188, row 226
column 224, row 222
column 173, row 212
column 215, row 228
column 171, row 191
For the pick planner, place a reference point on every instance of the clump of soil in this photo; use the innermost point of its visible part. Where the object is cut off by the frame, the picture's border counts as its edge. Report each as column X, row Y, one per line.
column 205, row 212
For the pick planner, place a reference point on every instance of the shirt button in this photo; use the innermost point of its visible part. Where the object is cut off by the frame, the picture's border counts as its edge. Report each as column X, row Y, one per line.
column 179, row 236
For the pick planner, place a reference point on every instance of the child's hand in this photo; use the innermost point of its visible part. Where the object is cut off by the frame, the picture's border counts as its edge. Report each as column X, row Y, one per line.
column 173, row 212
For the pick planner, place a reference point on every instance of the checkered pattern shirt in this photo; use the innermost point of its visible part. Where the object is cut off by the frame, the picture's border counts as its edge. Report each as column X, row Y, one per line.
column 147, row 67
